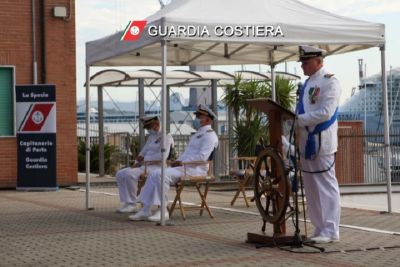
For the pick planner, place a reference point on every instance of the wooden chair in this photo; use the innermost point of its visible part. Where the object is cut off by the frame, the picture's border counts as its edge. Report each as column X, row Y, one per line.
column 199, row 181
column 244, row 176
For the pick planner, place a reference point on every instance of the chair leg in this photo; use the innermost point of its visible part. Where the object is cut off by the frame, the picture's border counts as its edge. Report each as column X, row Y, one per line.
column 198, row 186
column 203, row 197
column 235, row 197
column 244, row 196
column 141, row 183
column 179, row 190
column 179, row 187
column 178, row 194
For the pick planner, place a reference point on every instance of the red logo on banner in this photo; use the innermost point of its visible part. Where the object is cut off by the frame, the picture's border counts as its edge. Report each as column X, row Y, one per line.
column 133, row 30
column 37, row 117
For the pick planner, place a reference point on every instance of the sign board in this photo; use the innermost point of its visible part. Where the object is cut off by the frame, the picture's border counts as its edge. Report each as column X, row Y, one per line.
column 36, row 136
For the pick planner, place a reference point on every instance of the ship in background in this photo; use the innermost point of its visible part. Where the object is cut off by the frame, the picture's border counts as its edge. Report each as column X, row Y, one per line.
column 366, row 103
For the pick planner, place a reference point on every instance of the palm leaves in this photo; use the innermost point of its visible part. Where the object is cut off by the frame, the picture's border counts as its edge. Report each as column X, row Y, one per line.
column 250, row 124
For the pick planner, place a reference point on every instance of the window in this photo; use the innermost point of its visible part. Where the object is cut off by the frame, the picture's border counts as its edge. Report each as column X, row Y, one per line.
column 7, row 101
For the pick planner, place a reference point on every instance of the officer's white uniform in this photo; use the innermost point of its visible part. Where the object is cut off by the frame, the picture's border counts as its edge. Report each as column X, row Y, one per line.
column 320, row 99
column 200, row 147
column 127, row 178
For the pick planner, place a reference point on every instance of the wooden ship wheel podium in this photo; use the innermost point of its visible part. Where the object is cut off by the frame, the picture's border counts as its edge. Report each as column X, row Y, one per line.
column 271, row 183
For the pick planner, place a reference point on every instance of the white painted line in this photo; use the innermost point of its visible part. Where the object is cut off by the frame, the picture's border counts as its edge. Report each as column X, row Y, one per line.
column 367, row 229
column 99, row 192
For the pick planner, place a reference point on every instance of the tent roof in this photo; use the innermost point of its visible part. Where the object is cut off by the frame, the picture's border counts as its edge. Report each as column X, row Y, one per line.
column 299, row 23
column 112, row 77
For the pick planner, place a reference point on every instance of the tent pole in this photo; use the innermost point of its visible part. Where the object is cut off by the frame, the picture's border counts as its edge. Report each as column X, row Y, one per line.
column 168, row 118
column 87, row 145
column 230, row 136
column 273, row 82
column 271, row 56
column 141, row 111
column 100, row 118
column 386, row 127
column 163, row 127
column 214, row 107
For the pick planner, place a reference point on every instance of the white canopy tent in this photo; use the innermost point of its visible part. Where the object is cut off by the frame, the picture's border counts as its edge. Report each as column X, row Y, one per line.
column 271, row 31
column 118, row 78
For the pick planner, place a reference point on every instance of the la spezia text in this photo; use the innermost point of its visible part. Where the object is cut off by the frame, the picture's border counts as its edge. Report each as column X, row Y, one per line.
column 219, row 31
column 35, row 95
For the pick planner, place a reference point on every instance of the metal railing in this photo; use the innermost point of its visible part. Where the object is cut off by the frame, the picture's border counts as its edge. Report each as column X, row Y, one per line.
column 360, row 158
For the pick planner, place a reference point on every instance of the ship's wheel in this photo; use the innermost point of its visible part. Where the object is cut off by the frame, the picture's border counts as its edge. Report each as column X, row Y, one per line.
column 271, row 190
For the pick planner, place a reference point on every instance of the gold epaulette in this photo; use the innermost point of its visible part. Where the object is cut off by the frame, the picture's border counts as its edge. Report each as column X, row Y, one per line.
column 329, row 75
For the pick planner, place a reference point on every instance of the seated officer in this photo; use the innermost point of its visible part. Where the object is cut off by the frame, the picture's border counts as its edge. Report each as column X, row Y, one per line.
column 127, row 178
column 199, row 148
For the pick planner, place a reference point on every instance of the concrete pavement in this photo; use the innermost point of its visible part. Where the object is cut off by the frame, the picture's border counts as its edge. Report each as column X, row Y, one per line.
column 54, row 229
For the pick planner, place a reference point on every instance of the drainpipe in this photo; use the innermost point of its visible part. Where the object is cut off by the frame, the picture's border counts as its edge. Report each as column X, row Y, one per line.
column 43, row 39
column 34, row 66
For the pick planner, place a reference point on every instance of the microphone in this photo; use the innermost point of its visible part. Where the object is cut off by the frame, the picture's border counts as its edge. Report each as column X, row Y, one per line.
column 299, row 86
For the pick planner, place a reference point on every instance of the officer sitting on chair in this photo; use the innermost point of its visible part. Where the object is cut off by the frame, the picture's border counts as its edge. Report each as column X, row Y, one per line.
column 127, row 178
column 199, row 148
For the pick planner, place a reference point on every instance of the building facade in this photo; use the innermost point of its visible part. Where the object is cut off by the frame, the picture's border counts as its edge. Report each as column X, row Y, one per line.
column 37, row 38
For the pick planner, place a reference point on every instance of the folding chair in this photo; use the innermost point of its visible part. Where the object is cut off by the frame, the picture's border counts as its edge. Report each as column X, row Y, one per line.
column 244, row 176
column 198, row 181
column 245, row 171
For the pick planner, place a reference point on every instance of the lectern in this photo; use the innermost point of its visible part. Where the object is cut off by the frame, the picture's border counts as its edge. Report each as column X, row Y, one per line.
column 272, row 188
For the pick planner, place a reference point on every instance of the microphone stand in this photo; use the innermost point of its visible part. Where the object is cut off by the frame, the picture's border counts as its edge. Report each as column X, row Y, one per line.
column 298, row 241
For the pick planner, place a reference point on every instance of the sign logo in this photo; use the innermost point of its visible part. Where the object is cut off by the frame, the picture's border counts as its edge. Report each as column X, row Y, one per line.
column 36, row 117
column 133, row 30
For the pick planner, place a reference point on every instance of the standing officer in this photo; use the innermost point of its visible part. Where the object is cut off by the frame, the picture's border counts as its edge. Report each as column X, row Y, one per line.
column 317, row 131
column 127, row 178
column 199, row 148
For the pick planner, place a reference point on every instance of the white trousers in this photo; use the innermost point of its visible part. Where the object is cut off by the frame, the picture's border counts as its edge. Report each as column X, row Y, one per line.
column 127, row 181
column 151, row 191
column 323, row 196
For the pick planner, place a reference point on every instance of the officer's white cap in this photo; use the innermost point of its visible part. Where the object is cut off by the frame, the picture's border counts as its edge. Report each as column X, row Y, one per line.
column 204, row 110
column 148, row 120
column 306, row 52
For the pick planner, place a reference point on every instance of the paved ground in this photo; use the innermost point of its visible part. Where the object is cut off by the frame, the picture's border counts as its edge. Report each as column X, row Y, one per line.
column 54, row 229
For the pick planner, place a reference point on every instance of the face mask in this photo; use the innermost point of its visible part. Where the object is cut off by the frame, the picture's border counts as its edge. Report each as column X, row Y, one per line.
column 151, row 131
column 196, row 123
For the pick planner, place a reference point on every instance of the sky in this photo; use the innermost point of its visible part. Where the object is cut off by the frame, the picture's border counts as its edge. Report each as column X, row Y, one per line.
column 96, row 19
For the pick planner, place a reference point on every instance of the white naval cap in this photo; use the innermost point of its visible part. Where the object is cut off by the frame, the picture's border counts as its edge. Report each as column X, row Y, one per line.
column 148, row 120
column 204, row 110
column 306, row 52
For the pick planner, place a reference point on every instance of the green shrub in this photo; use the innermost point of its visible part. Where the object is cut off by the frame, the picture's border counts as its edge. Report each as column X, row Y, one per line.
column 94, row 157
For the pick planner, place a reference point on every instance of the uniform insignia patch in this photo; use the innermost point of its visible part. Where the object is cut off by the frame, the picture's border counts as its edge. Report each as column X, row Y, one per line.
column 329, row 75
column 313, row 94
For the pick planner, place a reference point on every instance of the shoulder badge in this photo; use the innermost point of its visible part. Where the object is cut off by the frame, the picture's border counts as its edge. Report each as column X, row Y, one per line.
column 210, row 130
column 329, row 75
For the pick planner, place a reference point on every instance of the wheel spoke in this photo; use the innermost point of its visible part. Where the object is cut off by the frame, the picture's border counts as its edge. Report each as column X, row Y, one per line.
column 268, row 202
column 271, row 184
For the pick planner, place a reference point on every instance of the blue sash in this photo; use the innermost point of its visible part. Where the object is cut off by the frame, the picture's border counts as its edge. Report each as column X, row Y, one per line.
column 310, row 149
